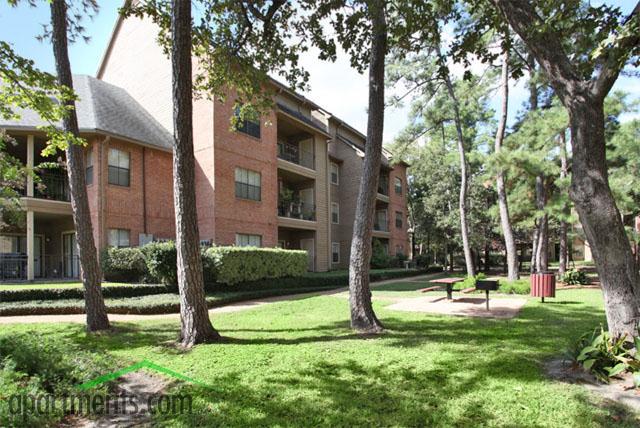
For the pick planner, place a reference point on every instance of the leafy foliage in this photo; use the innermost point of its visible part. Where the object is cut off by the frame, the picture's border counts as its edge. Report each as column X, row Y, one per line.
column 605, row 356
column 123, row 264
column 575, row 277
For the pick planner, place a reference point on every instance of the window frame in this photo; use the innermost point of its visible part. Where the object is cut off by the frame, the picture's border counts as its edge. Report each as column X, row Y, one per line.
column 119, row 231
column 397, row 180
column 335, row 245
column 249, row 236
column 399, row 216
column 246, row 194
column 119, row 170
column 337, row 168
column 337, row 212
column 88, row 170
column 248, row 124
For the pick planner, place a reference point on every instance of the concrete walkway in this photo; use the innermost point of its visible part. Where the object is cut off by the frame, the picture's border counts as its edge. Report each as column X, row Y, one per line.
column 234, row 307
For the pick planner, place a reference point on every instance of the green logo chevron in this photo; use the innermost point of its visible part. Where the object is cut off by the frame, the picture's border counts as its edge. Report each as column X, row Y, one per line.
column 144, row 364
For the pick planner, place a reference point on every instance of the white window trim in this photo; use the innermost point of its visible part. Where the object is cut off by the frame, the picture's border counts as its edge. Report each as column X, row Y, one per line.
column 337, row 205
column 249, row 235
column 333, row 245
column 337, row 182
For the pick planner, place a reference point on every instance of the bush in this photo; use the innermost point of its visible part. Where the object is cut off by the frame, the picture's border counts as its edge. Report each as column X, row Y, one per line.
column 520, row 286
column 400, row 259
column 43, row 293
column 234, row 265
column 575, row 277
column 422, row 260
column 470, row 281
column 604, row 356
column 124, row 265
column 379, row 258
column 161, row 258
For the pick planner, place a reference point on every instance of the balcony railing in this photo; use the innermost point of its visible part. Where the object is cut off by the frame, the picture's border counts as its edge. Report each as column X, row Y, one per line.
column 299, row 210
column 295, row 154
column 381, row 226
column 53, row 185
column 13, row 266
column 383, row 185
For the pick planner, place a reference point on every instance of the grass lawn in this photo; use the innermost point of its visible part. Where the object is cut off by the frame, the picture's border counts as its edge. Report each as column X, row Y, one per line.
column 297, row 363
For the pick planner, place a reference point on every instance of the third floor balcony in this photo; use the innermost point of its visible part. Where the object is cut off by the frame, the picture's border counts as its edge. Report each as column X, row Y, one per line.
column 296, row 153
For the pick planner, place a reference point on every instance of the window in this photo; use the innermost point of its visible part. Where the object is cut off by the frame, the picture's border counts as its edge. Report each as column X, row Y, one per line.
column 250, row 125
column 89, row 168
column 248, row 184
column 335, row 173
column 335, row 213
column 398, row 219
column 398, row 186
column 335, row 252
column 118, row 167
column 244, row 240
column 118, row 238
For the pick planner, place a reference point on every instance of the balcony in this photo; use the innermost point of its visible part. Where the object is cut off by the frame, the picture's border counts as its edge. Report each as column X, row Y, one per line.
column 53, row 185
column 295, row 154
column 297, row 210
column 381, row 226
column 383, row 185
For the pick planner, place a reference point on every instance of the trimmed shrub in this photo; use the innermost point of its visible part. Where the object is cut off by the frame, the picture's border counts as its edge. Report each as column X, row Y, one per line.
column 43, row 293
column 422, row 260
column 162, row 262
column 233, row 265
column 123, row 265
column 379, row 258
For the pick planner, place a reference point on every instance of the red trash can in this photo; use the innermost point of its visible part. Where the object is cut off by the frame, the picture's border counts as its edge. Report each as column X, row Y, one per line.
column 543, row 285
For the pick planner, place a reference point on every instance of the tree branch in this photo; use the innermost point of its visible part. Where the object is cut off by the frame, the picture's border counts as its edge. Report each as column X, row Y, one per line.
column 616, row 57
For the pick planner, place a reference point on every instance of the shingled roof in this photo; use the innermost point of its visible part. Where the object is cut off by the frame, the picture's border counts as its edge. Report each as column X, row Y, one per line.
column 106, row 109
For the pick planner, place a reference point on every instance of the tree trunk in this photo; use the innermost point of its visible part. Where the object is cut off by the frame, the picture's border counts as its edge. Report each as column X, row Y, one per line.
column 564, row 227
column 363, row 319
column 505, row 220
column 464, row 178
column 534, row 248
column 600, row 218
column 542, row 250
column 487, row 255
column 194, row 316
column 97, row 318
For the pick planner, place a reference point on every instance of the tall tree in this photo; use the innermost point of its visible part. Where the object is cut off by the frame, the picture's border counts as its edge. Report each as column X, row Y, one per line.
column 195, row 325
column 582, row 85
column 505, row 220
column 564, row 225
column 90, row 268
column 362, row 316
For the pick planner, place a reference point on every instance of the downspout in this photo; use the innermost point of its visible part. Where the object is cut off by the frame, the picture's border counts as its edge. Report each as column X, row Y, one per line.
column 144, row 192
column 101, row 193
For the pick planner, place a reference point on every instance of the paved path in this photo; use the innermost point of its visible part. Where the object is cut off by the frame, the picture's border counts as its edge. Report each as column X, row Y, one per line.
column 234, row 307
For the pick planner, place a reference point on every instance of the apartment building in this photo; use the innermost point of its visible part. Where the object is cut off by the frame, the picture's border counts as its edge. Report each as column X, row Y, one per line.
column 289, row 178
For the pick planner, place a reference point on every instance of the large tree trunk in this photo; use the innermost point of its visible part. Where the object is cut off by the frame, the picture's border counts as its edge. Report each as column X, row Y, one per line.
column 464, row 178
column 194, row 317
column 363, row 319
column 97, row 318
column 590, row 191
column 564, row 227
column 601, row 220
column 505, row 220
column 542, row 250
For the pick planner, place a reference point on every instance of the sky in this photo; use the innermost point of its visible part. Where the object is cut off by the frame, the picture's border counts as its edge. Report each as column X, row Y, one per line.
column 334, row 86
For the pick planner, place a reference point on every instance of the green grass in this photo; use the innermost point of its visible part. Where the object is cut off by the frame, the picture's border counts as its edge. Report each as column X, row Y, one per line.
column 297, row 363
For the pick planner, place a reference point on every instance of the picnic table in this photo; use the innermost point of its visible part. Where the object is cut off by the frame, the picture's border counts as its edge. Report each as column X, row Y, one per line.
column 448, row 283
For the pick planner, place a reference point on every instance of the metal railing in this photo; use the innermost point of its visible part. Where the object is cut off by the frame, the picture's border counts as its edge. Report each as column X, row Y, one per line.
column 292, row 153
column 299, row 210
column 53, row 185
column 380, row 226
column 13, row 266
column 383, row 185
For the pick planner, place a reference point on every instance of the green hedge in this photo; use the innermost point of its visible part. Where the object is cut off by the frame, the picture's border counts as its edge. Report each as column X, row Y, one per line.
column 42, row 293
column 124, row 265
column 161, row 260
column 234, row 265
